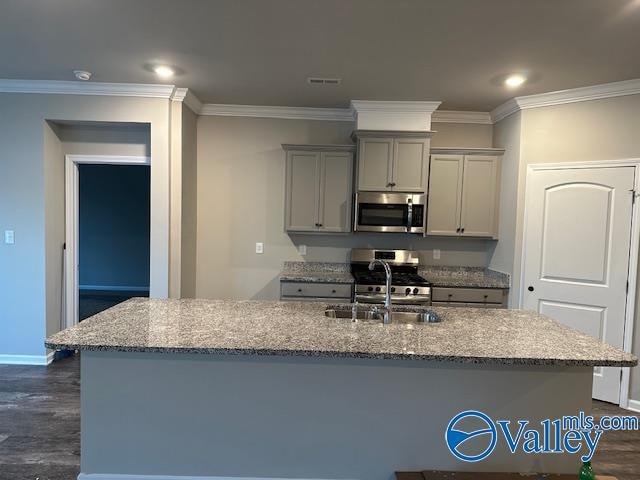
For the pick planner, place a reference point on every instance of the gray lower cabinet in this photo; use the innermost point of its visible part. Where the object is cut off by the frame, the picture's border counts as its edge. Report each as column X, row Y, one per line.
column 392, row 161
column 315, row 292
column 319, row 181
column 463, row 195
column 469, row 297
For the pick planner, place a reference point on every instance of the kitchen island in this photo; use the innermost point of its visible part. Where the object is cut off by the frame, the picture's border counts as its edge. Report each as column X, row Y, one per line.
column 219, row 389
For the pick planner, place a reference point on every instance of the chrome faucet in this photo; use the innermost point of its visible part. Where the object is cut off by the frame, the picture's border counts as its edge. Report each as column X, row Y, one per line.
column 386, row 318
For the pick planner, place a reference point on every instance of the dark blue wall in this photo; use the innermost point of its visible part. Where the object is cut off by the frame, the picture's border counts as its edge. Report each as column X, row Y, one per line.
column 114, row 225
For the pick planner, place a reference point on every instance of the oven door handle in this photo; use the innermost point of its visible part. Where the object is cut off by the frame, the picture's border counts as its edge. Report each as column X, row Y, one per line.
column 409, row 215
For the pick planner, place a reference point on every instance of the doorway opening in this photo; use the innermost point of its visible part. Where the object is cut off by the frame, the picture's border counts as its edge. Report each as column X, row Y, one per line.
column 108, row 232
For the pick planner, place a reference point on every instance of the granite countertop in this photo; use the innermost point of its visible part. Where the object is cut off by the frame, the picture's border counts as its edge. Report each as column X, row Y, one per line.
column 316, row 272
column 465, row 335
column 471, row 277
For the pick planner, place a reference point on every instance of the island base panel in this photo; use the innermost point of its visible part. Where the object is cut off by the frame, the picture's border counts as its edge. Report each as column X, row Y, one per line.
column 173, row 415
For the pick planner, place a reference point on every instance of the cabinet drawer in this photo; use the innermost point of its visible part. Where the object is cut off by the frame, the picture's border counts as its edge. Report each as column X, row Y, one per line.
column 473, row 295
column 468, row 305
column 324, row 290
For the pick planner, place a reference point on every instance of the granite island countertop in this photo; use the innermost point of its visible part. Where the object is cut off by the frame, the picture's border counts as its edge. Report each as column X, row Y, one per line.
column 465, row 335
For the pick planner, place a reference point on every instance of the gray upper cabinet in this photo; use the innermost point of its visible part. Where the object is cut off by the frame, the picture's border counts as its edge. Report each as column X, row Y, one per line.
column 375, row 164
column 464, row 194
column 445, row 199
column 318, row 188
column 393, row 161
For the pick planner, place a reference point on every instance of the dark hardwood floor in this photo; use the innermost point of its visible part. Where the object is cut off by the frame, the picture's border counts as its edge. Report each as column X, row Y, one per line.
column 40, row 427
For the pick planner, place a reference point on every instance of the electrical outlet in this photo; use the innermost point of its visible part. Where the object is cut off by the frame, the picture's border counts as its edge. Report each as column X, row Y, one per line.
column 302, row 249
column 9, row 237
column 259, row 247
column 436, row 254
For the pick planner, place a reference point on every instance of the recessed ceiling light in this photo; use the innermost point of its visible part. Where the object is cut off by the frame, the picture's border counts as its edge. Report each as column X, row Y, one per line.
column 82, row 74
column 513, row 81
column 163, row 71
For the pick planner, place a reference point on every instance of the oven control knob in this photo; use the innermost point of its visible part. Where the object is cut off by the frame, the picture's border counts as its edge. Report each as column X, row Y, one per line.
column 407, row 291
column 377, row 289
column 415, row 291
column 393, row 289
column 370, row 289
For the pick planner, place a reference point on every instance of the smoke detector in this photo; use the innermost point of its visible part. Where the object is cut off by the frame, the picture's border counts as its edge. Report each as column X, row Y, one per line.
column 82, row 75
column 323, row 81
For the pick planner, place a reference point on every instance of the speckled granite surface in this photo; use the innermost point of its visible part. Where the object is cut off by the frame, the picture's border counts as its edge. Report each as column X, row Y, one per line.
column 316, row 272
column 465, row 335
column 472, row 277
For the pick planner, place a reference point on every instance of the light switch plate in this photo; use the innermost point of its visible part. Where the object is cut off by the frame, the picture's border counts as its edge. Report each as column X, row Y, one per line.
column 259, row 247
column 9, row 237
column 436, row 254
column 302, row 249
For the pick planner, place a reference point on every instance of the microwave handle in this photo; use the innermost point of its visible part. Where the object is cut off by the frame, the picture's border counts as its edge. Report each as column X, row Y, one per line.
column 409, row 215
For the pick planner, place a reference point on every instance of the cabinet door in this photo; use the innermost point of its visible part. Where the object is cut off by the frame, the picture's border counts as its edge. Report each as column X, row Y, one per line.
column 302, row 190
column 335, row 192
column 410, row 165
column 444, row 200
column 374, row 164
column 479, row 191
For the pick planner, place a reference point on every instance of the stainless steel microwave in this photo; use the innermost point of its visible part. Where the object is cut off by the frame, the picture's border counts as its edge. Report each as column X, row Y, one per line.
column 390, row 212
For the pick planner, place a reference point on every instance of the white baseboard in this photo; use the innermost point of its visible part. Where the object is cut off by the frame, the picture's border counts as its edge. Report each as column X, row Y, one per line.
column 26, row 359
column 634, row 405
column 107, row 476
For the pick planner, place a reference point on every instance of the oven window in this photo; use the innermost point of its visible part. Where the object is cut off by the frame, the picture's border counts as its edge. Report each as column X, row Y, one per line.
column 378, row 215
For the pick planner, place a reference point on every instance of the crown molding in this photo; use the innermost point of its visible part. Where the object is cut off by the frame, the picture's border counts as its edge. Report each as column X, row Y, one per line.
column 292, row 113
column 86, row 88
column 503, row 111
column 452, row 116
column 393, row 107
column 188, row 98
column 562, row 97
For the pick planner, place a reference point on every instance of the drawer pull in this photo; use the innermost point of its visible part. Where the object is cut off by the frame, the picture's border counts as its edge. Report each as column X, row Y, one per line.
column 300, row 290
column 333, row 291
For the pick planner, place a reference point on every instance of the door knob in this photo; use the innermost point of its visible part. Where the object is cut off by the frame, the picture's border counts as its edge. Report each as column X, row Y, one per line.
column 531, row 289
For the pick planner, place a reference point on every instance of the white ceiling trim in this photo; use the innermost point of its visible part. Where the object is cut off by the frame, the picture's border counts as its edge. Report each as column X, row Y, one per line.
column 451, row 116
column 393, row 107
column 561, row 97
column 292, row 113
column 86, row 88
column 189, row 99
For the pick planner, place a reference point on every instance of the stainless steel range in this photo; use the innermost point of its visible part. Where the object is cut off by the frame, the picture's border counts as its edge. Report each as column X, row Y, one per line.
column 408, row 288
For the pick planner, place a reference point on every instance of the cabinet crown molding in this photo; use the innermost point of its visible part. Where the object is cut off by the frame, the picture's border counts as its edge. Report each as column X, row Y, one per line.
column 318, row 147
column 466, row 151
column 392, row 133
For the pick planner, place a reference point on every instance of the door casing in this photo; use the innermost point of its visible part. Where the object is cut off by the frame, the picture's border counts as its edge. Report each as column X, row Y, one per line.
column 633, row 253
column 71, row 223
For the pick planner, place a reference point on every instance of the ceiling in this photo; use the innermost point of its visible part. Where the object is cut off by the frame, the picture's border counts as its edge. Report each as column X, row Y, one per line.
column 260, row 52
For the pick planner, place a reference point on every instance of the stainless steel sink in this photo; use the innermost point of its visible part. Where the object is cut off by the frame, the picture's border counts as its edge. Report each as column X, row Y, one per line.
column 396, row 316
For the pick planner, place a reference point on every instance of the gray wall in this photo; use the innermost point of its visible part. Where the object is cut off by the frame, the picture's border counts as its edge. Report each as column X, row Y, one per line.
column 605, row 129
column 240, row 201
column 189, row 203
column 31, row 189
column 113, row 232
column 506, row 134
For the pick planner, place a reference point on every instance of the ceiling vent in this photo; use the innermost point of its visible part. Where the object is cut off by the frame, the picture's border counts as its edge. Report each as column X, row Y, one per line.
column 323, row 81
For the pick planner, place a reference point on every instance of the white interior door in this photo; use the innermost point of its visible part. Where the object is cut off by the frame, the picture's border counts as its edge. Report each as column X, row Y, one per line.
column 578, row 230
